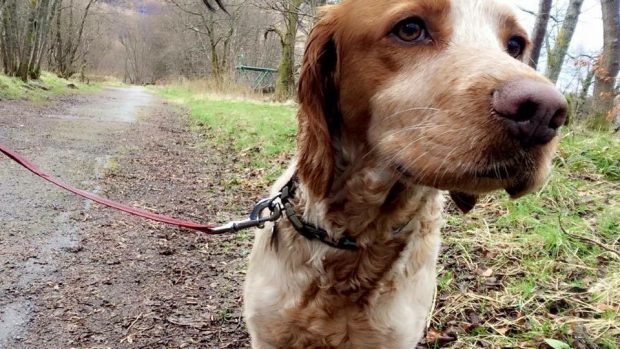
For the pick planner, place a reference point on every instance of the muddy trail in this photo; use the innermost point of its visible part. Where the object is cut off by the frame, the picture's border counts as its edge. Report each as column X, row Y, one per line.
column 74, row 274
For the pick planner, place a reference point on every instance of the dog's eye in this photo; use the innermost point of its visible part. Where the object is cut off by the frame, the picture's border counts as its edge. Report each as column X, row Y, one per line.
column 410, row 30
column 515, row 46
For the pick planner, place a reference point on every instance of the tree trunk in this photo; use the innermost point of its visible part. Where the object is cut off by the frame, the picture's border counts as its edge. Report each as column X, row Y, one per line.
column 78, row 42
column 586, row 84
column 562, row 42
column 45, row 32
column 216, row 69
column 12, row 36
column 216, row 66
column 28, row 42
column 37, row 37
column 286, row 79
column 46, row 11
column 60, row 50
column 4, row 44
column 578, row 105
column 539, row 32
column 69, row 39
column 3, row 4
column 615, row 115
column 608, row 64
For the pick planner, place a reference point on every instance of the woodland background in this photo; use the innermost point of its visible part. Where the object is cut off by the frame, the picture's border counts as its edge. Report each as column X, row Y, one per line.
column 217, row 121
column 152, row 41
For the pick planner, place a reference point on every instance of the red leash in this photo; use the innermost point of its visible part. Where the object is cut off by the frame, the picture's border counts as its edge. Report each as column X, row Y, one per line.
column 255, row 219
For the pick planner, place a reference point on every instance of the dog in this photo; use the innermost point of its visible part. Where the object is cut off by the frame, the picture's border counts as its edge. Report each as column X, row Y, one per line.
column 400, row 102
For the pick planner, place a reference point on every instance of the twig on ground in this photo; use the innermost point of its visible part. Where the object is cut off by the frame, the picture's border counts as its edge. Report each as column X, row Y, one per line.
column 588, row 240
column 133, row 323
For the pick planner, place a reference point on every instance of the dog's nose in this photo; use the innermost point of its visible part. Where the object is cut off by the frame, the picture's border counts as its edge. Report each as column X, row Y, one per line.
column 533, row 110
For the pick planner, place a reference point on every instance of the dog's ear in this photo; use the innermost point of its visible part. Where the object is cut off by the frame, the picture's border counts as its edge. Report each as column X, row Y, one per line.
column 318, row 115
column 465, row 202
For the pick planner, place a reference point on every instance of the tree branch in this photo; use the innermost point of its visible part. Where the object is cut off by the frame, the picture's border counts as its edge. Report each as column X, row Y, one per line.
column 276, row 31
column 211, row 7
column 184, row 9
column 552, row 17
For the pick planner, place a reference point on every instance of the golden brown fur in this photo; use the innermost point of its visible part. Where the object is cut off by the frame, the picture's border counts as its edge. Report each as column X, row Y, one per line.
column 383, row 128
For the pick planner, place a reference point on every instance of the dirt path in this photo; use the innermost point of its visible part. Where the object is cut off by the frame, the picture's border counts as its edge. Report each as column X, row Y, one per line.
column 74, row 274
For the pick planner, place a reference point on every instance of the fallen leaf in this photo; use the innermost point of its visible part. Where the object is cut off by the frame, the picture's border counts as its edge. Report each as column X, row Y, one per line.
column 556, row 344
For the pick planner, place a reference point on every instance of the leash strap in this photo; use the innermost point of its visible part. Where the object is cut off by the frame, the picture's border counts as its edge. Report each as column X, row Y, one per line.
column 206, row 228
column 257, row 219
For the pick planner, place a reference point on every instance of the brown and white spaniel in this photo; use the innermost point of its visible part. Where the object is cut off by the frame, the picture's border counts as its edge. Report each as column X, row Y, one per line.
column 400, row 100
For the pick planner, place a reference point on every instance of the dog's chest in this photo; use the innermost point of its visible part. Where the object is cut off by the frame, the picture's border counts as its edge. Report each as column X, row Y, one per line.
column 391, row 315
column 307, row 295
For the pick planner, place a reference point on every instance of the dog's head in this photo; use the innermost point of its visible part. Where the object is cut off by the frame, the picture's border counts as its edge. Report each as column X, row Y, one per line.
column 436, row 89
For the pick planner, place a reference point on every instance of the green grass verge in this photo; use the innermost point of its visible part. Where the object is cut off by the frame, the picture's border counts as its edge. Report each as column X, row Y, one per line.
column 38, row 90
column 541, row 268
column 262, row 131
column 531, row 273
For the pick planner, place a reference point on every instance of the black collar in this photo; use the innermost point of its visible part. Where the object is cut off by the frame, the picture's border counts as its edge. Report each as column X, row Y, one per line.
column 307, row 230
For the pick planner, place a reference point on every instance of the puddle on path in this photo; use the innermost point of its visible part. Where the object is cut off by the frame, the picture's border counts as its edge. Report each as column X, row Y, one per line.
column 13, row 317
column 120, row 105
column 115, row 105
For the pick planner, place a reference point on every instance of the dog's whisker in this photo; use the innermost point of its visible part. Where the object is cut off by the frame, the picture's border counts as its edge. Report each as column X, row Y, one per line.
column 441, row 165
column 388, row 138
column 426, row 136
column 413, row 109
column 415, row 141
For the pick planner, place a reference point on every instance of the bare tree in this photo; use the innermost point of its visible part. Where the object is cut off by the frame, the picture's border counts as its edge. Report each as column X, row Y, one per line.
column 584, row 76
column 556, row 56
column 136, row 45
column 9, row 39
column 290, row 10
column 540, row 31
column 214, row 31
column 69, row 37
column 210, row 6
column 608, row 64
column 27, row 44
column 24, row 30
column 47, row 11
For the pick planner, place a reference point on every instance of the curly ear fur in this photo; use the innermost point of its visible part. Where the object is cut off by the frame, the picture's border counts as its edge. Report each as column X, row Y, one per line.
column 318, row 115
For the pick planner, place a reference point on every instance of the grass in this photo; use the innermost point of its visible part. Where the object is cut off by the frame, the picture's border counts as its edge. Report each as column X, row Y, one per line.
column 539, row 272
column 552, row 256
column 39, row 90
column 258, row 131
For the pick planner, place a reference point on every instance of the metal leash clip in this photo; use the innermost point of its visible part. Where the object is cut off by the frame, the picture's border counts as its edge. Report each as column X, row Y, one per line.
column 256, row 219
